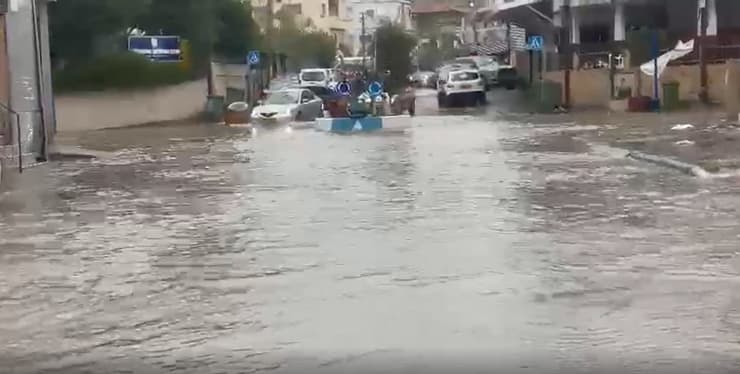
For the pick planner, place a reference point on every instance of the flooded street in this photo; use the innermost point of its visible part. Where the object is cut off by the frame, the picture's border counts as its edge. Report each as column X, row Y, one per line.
column 477, row 242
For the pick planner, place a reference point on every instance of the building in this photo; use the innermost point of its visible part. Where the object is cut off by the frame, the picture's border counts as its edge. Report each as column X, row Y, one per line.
column 330, row 16
column 592, row 29
column 443, row 22
column 27, row 123
column 376, row 13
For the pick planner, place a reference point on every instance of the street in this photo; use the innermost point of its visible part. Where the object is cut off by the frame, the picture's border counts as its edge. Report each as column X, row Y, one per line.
column 480, row 241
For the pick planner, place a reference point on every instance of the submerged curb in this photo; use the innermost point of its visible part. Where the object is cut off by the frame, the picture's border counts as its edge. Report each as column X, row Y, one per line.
column 681, row 166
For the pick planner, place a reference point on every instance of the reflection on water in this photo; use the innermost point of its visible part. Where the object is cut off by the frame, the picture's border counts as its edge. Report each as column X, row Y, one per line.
column 471, row 242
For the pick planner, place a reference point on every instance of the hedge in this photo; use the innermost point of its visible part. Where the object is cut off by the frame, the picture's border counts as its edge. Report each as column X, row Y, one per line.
column 124, row 71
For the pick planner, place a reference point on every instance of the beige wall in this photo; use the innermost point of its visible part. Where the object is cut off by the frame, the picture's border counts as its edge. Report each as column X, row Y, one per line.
column 98, row 110
column 588, row 88
column 689, row 80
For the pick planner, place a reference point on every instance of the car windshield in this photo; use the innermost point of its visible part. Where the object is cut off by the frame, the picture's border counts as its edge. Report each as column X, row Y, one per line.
column 313, row 76
column 467, row 61
column 282, row 98
column 320, row 91
column 463, row 76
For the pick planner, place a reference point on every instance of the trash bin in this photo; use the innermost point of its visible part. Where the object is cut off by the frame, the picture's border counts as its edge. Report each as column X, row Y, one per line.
column 671, row 96
column 237, row 113
column 215, row 107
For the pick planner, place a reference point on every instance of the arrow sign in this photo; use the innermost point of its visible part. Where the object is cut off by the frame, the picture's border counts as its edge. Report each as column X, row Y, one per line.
column 357, row 126
column 344, row 89
column 375, row 88
column 253, row 57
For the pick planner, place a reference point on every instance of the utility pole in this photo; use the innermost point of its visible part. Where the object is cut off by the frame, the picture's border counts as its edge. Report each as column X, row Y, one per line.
column 362, row 40
column 268, row 31
column 703, row 76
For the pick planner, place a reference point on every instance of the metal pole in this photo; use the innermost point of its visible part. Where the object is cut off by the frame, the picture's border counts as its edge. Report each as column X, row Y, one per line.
column 703, row 76
column 362, row 40
column 656, row 52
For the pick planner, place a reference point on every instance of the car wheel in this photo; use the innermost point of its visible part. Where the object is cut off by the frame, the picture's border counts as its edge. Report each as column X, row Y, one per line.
column 441, row 101
column 481, row 99
column 298, row 117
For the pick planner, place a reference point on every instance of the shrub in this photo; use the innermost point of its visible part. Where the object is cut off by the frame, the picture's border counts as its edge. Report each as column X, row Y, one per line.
column 124, row 71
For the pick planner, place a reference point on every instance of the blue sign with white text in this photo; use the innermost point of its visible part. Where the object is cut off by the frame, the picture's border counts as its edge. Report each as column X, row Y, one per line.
column 375, row 88
column 535, row 42
column 156, row 48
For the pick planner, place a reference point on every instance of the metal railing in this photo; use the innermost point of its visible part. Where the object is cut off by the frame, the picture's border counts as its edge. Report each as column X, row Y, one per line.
column 17, row 132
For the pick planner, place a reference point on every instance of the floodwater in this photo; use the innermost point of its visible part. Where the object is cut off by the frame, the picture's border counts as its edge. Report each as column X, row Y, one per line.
column 477, row 242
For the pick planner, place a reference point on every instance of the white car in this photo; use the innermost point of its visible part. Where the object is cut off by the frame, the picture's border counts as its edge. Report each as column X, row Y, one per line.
column 290, row 105
column 463, row 84
column 314, row 77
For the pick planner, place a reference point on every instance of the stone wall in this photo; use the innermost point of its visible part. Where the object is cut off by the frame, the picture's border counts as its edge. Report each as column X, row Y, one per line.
column 98, row 110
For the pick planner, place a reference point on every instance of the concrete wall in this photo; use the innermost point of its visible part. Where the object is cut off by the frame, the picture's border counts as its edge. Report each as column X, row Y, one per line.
column 98, row 110
column 588, row 88
column 689, row 79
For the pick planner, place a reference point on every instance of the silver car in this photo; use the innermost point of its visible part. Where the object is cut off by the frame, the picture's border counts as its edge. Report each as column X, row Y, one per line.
column 288, row 105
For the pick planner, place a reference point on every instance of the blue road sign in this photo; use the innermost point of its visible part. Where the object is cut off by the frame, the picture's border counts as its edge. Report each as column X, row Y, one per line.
column 253, row 57
column 535, row 42
column 159, row 48
column 375, row 88
column 344, row 88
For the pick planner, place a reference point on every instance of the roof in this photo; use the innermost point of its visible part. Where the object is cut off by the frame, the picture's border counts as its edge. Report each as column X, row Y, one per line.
column 434, row 7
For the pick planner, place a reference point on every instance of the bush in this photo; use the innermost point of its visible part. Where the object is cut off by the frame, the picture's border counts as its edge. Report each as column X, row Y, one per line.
column 123, row 71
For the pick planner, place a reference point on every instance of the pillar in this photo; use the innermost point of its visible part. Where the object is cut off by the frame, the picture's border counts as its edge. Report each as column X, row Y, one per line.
column 575, row 34
column 619, row 26
column 24, row 77
column 711, row 17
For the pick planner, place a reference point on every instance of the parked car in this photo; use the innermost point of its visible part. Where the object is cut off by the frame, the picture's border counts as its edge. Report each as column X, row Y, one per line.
column 487, row 67
column 298, row 104
column 508, row 77
column 314, row 77
column 463, row 85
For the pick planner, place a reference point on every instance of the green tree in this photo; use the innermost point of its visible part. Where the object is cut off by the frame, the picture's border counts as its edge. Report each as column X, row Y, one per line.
column 393, row 50
column 77, row 26
column 236, row 30
column 303, row 48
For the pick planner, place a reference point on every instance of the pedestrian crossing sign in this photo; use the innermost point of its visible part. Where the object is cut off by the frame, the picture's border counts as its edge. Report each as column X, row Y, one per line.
column 535, row 42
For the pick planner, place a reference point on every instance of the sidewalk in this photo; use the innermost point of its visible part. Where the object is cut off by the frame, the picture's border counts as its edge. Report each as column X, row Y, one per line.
column 700, row 138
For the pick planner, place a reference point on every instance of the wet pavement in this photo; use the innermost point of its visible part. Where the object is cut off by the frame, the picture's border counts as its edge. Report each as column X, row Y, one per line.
column 481, row 241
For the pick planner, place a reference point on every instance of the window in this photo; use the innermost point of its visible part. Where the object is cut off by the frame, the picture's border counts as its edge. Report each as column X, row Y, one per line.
column 370, row 13
column 463, row 76
column 334, row 8
column 323, row 10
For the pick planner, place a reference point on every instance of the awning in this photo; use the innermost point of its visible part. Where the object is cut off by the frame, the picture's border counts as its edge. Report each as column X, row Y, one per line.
column 496, row 47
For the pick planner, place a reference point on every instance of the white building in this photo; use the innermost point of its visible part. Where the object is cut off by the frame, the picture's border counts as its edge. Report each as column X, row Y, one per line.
column 377, row 12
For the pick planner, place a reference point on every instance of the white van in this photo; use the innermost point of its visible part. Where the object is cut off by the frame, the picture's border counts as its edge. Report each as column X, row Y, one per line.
column 314, row 77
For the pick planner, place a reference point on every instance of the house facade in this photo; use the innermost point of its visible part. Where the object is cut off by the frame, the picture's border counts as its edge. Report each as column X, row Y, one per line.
column 376, row 13
column 591, row 29
column 330, row 16
column 27, row 121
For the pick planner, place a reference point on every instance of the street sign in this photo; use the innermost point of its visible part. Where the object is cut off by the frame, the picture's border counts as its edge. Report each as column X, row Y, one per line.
column 535, row 42
column 156, row 48
column 253, row 57
column 375, row 88
column 344, row 89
